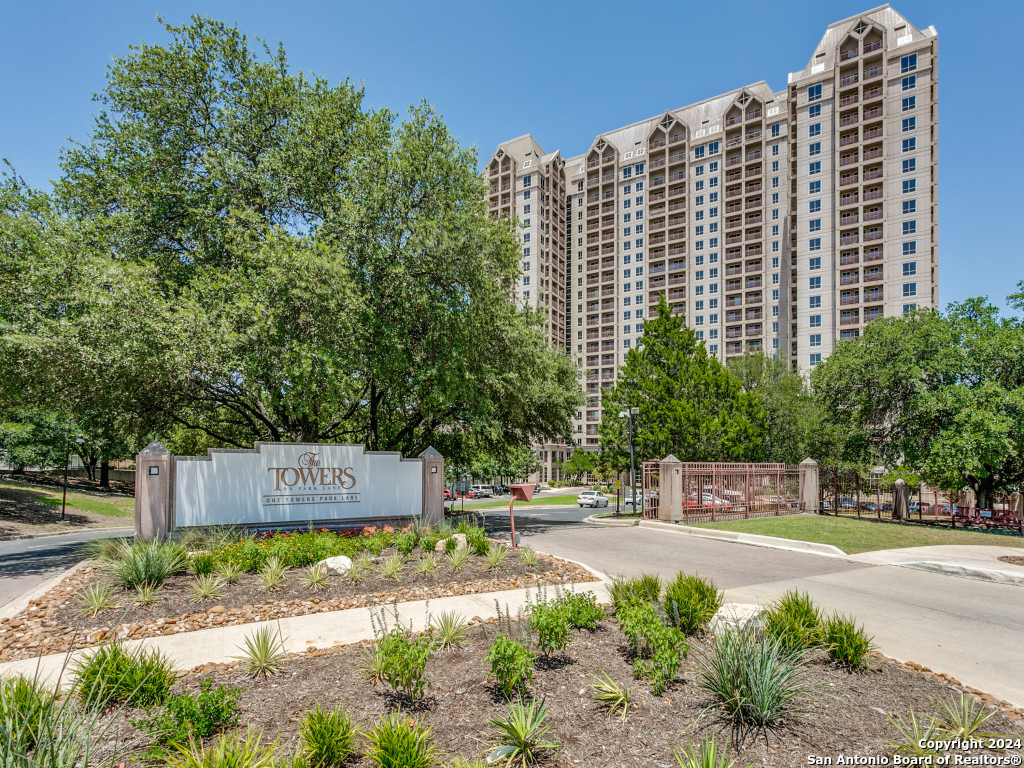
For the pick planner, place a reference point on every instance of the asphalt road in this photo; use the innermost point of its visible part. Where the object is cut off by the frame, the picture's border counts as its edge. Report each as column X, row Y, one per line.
column 24, row 563
column 968, row 629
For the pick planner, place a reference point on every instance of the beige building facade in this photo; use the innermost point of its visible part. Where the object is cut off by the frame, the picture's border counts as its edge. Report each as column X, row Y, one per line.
column 780, row 221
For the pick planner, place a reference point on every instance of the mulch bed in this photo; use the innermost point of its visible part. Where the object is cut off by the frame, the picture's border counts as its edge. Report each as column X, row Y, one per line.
column 1012, row 560
column 846, row 716
column 54, row 623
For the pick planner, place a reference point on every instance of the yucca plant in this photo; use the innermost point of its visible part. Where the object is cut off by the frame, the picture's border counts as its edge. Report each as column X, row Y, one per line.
column 610, row 694
column 400, row 742
column 916, row 734
column 145, row 594
column 392, row 567
column 428, row 562
column 524, row 730
column 847, row 644
column 458, row 559
column 263, row 652
column 450, row 629
column 371, row 664
column 362, row 564
column 238, row 749
column 496, row 556
column 462, row 762
column 96, row 598
column 150, row 562
column 208, row 586
column 328, row 737
column 230, row 572
column 961, row 717
column 112, row 674
column 528, row 558
column 272, row 574
column 316, row 577
column 710, row 755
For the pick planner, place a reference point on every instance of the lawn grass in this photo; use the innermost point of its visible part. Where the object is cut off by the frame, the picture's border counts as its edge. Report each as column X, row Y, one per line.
column 109, row 506
column 853, row 536
column 538, row 501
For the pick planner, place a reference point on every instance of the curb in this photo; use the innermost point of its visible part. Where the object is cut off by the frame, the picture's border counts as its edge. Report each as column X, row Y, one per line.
column 21, row 602
column 610, row 521
column 966, row 572
column 29, row 536
column 772, row 542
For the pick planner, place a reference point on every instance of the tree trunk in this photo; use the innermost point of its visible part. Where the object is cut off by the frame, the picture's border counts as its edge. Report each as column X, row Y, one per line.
column 90, row 467
column 104, row 474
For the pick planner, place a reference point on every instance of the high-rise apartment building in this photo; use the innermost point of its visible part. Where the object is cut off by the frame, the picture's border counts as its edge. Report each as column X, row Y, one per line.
column 781, row 221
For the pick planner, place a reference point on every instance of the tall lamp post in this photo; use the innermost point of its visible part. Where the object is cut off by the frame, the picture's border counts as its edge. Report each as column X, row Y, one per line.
column 67, row 459
column 628, row 415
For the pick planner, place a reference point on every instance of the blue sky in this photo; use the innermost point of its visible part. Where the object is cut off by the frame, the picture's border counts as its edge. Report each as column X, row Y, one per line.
column 497, row 70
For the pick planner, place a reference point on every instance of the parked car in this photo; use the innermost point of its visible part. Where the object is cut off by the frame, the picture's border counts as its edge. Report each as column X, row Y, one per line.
column 710, row 500
column 536, row 488
column 847, row 504
column 482, row 491
column 869, row 506
column 592, row 499
column 448, row 494
column 502, row 490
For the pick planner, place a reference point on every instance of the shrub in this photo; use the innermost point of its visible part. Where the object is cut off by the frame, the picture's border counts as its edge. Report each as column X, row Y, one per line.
column 794, row 620
column 202, row 563
column 961, row 717
column 580, row 609
column 511, row 664
column 192, row 717
column 398, row 742
column 847, row 644
column 206, row 587
column 24, row 705
column 239, row 749
column 371, row 664
column 263, row 652
column 528, row 558
column 610, row 694
column 916, row 735
column 316, row 577
column 550, row 623
column 328, row 737
column 450, row 629
column 757, row 680
column 229, row 572
column 711, row 755
column 392, row 567
column 114, row 675
column 691, row 602
column 146, row 594
column 361, row 565
column 524, row 730
column 649, row 587
column 96, row 598
column 272, row 574
column 428, row 562
column 477, row 541
column 450, row 545
column 658, row 649
column 458, row 558
column 147, row 563
column 496, row 556
column 627, row 592
column 405, row 543
column 376, row 545
column 428, row 541
column 405, row 662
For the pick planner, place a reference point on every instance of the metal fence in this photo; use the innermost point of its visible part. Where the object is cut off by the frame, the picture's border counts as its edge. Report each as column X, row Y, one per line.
column 721, row 491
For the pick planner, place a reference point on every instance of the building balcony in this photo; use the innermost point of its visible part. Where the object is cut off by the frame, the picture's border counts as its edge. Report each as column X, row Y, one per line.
column 848, row 160
column 848, row 100
column 847, row 180
column 847, row 55
column 872, row 194
column 675, row 138
column 657, row 143
column 872, row 72
column 848, row 80
column 849, row 279
column 846, row 220
column 873, row 277
column 734, row 160
column 657, row 163
column 847, row 140
column 872, row 235
column 753, row 203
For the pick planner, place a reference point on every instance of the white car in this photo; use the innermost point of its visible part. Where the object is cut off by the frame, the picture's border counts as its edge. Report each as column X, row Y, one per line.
column 592, row 499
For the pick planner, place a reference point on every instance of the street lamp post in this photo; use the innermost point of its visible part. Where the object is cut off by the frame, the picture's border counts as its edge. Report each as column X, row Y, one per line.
column 67, row 459
column 628, row 416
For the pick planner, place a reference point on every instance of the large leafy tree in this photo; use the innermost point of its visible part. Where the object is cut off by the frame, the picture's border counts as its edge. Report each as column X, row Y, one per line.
column 689, row 404
column 941, row 395
column 242, row 253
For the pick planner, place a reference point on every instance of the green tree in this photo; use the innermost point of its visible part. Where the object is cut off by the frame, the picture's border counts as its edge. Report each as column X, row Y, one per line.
column 579, row 464
column 254, row 255
column 941, row 395
column 689, row 404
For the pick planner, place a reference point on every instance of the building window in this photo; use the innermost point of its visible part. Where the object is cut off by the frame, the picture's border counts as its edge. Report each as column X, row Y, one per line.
column 815, row 321
column 909, row 124
column 698, row 152
column 814, row 263
column 814, row 302
column 627, row 315
column 814, row 111
column 526, row 251
column 775, row 295
column 814, row 129
column 639, row 313
column 526, row 266
column 814, row 188
column 526, row 209
column 526, row 194
column 814, row 167
column 775, row 182
column 909, row 83
column 699, row 320
column 908, row 63
column 814, row 206
column 910, row 248
column 815, row 340
column 909, row 103
column 814, row 91
column 627, row 172
column 639, row 168
column 776, row 130
column 909, row 206
column 712, row 147
column 910, row 268
column 909, row 308
column 775, row 166
column 814, row 225
column 909, row 186
column 814, row 283
column 909, row 145
column 909, row 227
column 626, row 343
column 775, row 150
column 527, row 180
column 909, row 289
column 814, row 244
column 815, row 358
column 909, row 166
column 526, row 237
column 814, row 149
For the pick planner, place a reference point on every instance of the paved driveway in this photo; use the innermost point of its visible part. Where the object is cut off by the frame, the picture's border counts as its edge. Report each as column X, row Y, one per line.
column 969, row 629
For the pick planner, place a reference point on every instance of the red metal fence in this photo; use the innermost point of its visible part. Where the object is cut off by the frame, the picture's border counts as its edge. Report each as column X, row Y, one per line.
column 720, row 491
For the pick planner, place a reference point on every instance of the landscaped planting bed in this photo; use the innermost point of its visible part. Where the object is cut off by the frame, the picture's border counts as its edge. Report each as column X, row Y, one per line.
column 63, row 620
column 835, row 698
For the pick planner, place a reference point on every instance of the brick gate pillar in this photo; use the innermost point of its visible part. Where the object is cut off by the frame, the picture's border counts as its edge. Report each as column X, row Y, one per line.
column 153, row 491
column 670, row 489
column 433, row 486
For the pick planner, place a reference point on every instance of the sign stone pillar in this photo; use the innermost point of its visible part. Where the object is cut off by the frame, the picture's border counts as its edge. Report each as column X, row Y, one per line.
column 433, row 486
column 900, row 500
column 810, row 501
column 153, row 490
column 670, row 489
